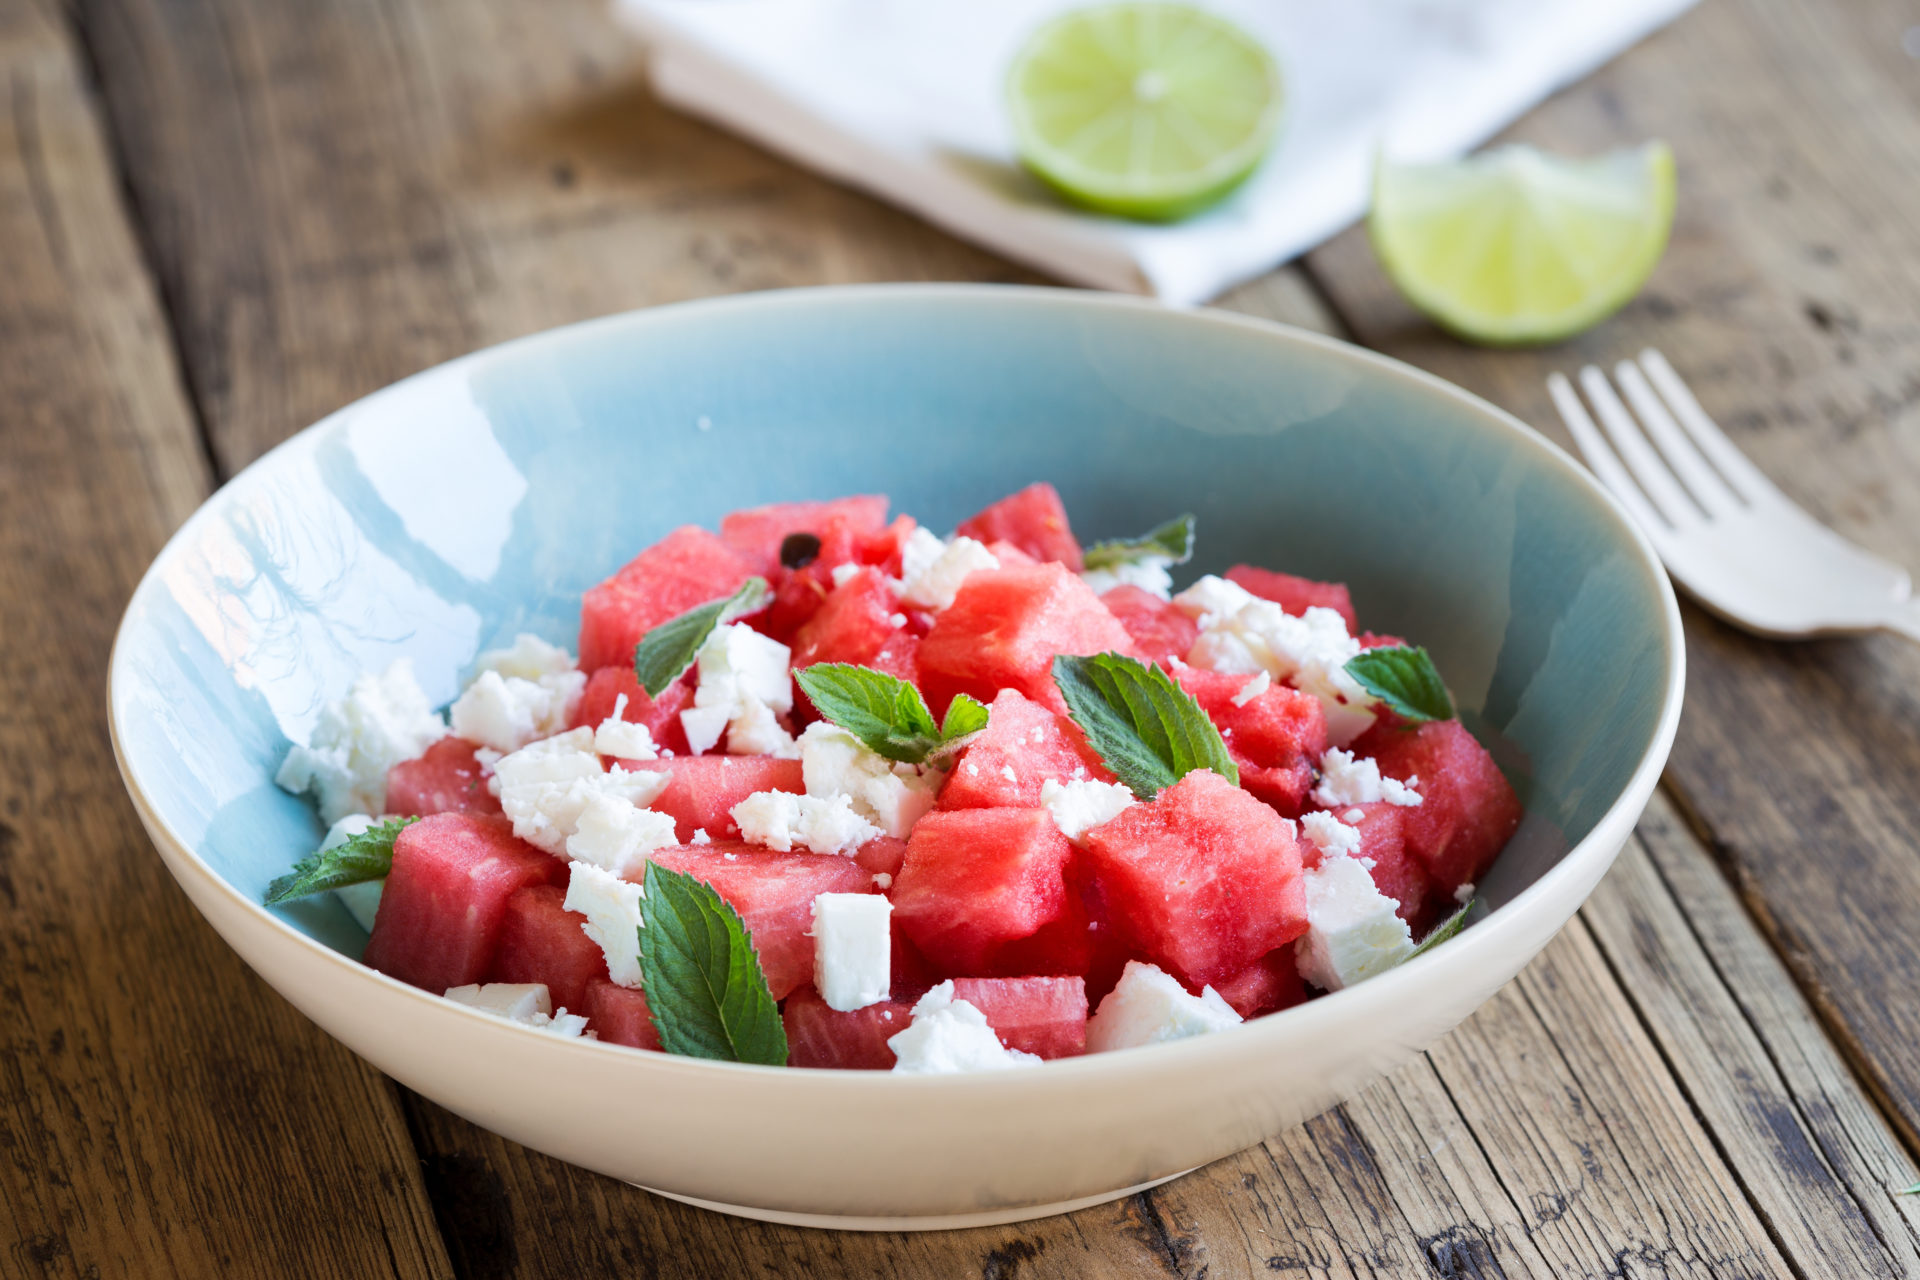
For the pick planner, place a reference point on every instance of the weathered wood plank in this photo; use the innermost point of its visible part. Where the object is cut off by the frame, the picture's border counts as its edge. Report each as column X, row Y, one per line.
column 1789, row 301
column 161, row 1112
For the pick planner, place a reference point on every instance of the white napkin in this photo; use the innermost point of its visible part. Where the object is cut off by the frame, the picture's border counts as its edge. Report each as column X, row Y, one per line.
column 903, row 98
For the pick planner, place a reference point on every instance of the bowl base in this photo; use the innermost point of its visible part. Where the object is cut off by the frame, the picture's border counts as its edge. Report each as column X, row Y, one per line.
column 929, row 1222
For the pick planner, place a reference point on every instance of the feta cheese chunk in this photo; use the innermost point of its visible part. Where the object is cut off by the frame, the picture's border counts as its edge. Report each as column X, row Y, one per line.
column 518, row 695
column 524, row 1002
column 361, row 900
column 781, row 820
column 1081, row 805
column 616, row 835
column 1334, row 838
column 890, row 796
column 529, row 658
column 1345, row 780
column 852, row 949
column 1253, row 689
column 1149, row 573
column 1464, row 894
column 544, row 787
column 1149, row 1005
column 1352, row 932
column 620, row 737
column 931, row 578
column 381, row 721
column 950, row 1035
column 744, row 685
column 612, row 908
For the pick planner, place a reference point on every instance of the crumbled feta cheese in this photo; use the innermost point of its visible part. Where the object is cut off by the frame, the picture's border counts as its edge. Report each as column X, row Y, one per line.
column 544, row 787
column 1464, row 894
column 1353, row 931
column 744, row 685
column 1334, row 838
column 1346, row 780
column 1149, row 1005
column 835, row 763
column 1353, row 815
column 618, row 736
column 361, row 900
column 530, row 658
column 896, row 620
column 518, row 695
column 1080, row 806
column 616, row 835
column 852, row 949
column 843, row 572
column 1006, row 771
column 381, row 721
column 1253, row 689
column 950, row 1035
column 524, row 1002
column 1149, row 573
column 780, row 820
column 700, row 836
column 882, row 881
column 933, row 583
column 612, row 908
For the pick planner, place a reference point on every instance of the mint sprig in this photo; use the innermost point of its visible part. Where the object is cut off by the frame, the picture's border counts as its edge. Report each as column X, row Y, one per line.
column 367, row 856
column 885, row 712
column 1171, row 542
column 1405, row 679
column 665, row 653
column 1148, row 729
column 704, row 985
column 1446, row 929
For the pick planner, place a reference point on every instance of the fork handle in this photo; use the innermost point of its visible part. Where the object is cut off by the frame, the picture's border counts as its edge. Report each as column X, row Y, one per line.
column 1905, row 620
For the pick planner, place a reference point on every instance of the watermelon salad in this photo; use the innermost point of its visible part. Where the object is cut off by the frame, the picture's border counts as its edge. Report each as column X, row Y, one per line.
column 828, row 790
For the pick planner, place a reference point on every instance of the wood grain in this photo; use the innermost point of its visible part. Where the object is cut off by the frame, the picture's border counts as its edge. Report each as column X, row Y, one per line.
column 161, row 1112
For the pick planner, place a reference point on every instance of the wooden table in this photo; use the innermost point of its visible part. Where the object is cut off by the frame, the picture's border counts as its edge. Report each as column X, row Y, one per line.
column 220, row 219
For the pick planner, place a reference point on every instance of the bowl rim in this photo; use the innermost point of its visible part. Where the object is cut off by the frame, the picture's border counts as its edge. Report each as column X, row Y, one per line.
column 1477, row 944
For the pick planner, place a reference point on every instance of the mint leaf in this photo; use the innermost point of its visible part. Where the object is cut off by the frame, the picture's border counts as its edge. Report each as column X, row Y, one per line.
column 704, row 985
column 1913, row 1190
column 669, row 649
column 1447, row 928
column 1148, row 729
column 1172, row 542
column 885, row 712
column 1403, row 678
column 367, row 856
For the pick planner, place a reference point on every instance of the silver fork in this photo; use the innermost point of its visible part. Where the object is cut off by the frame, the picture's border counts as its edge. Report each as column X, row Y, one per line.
column 1739, row 545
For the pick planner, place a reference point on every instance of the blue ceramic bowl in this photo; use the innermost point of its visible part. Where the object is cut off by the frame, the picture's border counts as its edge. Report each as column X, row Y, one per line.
column 451, row 511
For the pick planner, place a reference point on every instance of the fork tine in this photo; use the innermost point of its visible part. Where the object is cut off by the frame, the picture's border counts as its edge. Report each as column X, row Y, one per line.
column 1741, row 475
column 1593, row 447
column 1712, row 492
column 1652, row 474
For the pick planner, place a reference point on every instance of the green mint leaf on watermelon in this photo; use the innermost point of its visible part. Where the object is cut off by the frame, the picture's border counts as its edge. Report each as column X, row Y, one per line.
column 1148, row 729
column 1403, row 678
column 1171, row 542
column 367, row 856
column 1446, row 929
column 669, row 649
column 885, row 712
column 705, row 988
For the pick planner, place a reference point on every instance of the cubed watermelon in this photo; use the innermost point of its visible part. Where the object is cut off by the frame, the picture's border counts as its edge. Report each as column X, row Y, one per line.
column 1004, row 628
column 978, row 879
column 1034, row 519
column 1396, row 872
column 446, row 779
column 820, row 1036
column 542, row 941
column 774, row 893
column 1204, row 879
column 882, row 855
column 705, row 789
column 619, row 1015
column 1296, row 595
column 853, row 623
column 605, row 688
column 757, row 532
column 1160, row 631
column 799, row 593
column 1276, row 738
column 1046, row 1017
column 1023, row 745
column 440, row 913
column 1011, row 556
column 1468, row 810
column 686, row 568
column 882, row 550
column 1268, row 985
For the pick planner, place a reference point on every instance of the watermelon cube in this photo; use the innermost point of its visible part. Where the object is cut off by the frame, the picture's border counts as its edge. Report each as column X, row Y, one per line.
column 1468, row 810
column 686, row 568
column 1023, row 745
column 1276, row 738
column 854, row 621
column 542, row 941
column 604, row 690
column 705, row 789
column 1296, row 595
column 978, row 879
column 820, row 1036
column 774, row 893
column 1034, row 520
column 1204, row 879
column 1268, row 985
column 882, row 855
column 446, row 896
column 446, row 779
column 757, row 532
column 1004, row 628
column 1011, row 556
column 1160, row 631
column 619, row 1015
column 799, row 593
column 1046, row 1017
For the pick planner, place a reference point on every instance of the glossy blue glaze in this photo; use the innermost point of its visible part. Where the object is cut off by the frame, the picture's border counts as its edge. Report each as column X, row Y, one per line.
column 451, row 511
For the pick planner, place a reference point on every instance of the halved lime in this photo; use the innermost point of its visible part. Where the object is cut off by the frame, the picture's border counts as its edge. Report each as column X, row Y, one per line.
column 1515, row 246
column 1147, row 110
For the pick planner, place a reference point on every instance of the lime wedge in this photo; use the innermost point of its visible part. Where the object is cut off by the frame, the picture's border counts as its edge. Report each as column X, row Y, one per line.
column 1514, row 246
column 1150, row 111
